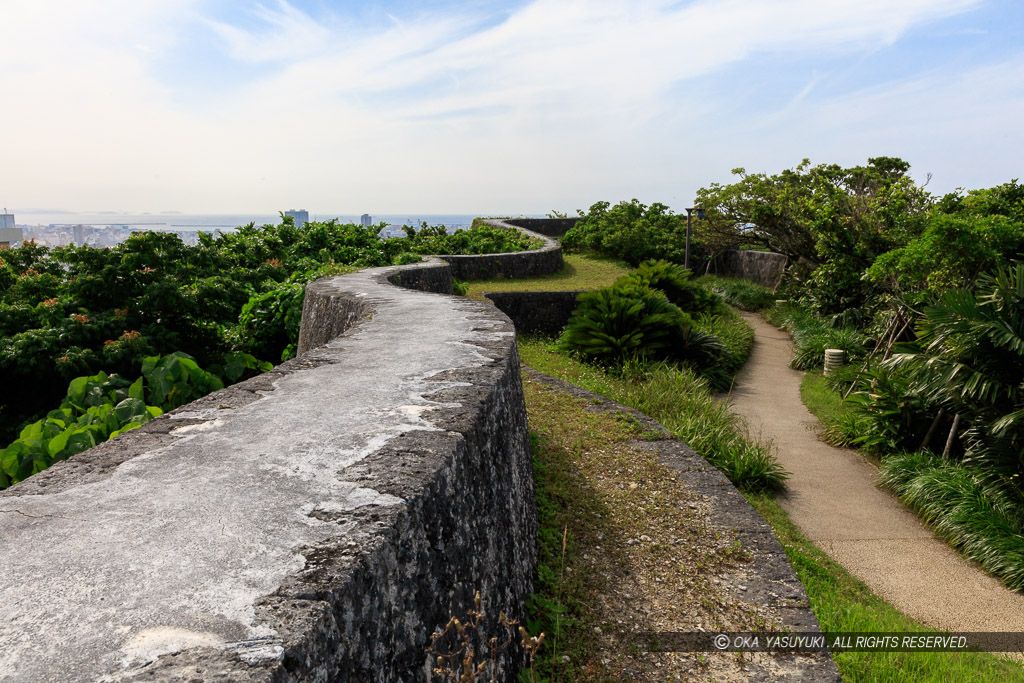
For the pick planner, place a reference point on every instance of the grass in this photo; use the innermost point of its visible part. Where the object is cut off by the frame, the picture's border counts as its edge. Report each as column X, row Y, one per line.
column 843, row 603
column 581, row 272
column 680, row 401
column 740, row 293
column 624, row 548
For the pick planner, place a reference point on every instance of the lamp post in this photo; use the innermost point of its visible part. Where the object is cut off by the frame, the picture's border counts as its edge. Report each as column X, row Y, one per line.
column 689, row 217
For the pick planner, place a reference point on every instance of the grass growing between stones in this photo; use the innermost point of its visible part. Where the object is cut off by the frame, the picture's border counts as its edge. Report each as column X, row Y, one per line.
column 581, row 272
column 625, row 548
column 843, row 603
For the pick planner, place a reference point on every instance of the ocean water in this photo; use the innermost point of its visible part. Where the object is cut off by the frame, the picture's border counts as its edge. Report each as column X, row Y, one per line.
column 182, row 221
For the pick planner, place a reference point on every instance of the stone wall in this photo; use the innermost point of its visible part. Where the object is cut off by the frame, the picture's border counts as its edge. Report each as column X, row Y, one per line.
column 516, row 264
column 763, row 267
column 552, row 227
column 544, row 312
column 317, row 522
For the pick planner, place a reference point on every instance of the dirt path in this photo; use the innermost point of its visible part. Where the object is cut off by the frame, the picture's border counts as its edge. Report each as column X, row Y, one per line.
column 832, row 498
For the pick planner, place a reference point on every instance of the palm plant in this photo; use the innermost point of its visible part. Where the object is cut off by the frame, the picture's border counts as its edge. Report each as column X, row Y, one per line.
column 614, row 324
column 969, row 360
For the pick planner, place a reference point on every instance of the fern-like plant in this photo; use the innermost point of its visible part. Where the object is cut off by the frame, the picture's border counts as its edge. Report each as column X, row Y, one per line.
column 614, row 324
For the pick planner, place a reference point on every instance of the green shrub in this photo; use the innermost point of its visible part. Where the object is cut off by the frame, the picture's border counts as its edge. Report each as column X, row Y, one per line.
column 630, row 231
column 740, row 293
column 674, row 281
column 268, row 326
column 891, row 414
column 617, row 323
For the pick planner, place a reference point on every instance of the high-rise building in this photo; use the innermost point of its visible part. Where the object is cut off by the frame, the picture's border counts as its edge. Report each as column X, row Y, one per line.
column 9, row 233
column 366, row 220
column 301, row 216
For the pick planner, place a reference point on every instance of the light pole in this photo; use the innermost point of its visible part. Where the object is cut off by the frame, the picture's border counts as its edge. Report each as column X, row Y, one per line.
column 689, row 217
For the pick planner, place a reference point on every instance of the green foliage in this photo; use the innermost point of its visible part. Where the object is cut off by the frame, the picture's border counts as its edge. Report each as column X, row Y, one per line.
column 742, row 294
column 616, row 323
column 482, row 238
column 630, row 231
column 736, row 338
column 969, row 359
column 674, row 281
column 950, row 253
column 268, row 326
column 984, row 521
column 681, row 401
column 636, row 319
column 891, row 413
column 812, row 335
column 101, row 406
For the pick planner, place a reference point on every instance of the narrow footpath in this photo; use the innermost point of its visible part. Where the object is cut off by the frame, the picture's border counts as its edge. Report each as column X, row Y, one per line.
column 833, row 500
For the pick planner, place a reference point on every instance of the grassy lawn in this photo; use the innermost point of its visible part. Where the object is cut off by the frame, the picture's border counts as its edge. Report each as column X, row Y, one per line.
column 581, row 271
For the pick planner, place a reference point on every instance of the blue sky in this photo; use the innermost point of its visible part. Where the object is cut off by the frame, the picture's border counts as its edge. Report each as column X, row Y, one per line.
column 491, row 107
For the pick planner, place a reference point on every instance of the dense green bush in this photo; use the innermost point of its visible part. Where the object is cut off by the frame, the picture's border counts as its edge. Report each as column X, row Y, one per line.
column 674, row 281
column 614, row 324
column 629, row 231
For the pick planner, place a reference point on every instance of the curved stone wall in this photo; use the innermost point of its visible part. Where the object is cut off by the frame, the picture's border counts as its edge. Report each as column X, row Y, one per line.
column 552, row 227
column 544, row 312
column 515, row 264
column 317, row 522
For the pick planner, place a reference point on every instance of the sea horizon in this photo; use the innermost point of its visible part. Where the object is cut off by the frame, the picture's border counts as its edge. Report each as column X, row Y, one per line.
column 198, row 221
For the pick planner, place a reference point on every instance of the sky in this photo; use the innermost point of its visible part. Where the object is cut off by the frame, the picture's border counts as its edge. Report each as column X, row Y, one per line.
column 489, row 107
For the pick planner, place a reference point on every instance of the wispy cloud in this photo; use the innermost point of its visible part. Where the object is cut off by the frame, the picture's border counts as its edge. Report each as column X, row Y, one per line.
column 561, row 102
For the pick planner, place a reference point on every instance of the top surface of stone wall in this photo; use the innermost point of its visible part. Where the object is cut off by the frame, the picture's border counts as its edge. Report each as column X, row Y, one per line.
column 174, row 537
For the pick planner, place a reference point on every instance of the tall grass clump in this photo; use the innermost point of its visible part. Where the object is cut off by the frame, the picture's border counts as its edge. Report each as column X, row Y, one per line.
column 743, row 294
column 677, row 398
column 812, row 335
column 981, row 519
column 683, row 403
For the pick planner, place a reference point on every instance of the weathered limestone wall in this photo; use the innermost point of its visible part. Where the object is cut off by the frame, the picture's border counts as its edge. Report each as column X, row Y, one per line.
column 545, row 312
column 516, row 264
column 314, row 523
column 552, row 227
column 763, row 267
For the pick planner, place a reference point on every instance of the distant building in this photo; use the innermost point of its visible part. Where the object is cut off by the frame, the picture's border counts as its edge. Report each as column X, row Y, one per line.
column 9, row 233
column 301, row 216
column 366, row 220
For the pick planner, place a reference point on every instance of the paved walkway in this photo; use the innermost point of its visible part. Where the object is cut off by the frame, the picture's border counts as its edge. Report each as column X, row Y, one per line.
column 832, row 498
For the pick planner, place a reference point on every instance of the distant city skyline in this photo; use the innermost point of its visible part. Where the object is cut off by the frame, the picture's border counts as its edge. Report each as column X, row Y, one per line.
column 492, row 106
